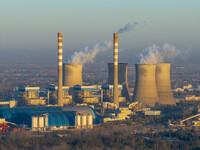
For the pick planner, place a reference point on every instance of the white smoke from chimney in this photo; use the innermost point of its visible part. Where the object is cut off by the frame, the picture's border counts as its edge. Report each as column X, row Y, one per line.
column 88, row 54
column 127, row 27
column 158, row 54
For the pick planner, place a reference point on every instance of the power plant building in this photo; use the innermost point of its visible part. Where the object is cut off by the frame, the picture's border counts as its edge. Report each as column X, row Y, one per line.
column 122, row 78
column 53, row 92
column 83, row 94
column 163, row 84
column 8, row 103
column 30, row 96
column 108, row 93
column 43, row 118
column 145, row 86
column 29, row 92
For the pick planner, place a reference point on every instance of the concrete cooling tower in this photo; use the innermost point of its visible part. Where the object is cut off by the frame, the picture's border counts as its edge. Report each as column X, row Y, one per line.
column 145, row 86
column 72, row 74
column 122, row 78
column 163, row 84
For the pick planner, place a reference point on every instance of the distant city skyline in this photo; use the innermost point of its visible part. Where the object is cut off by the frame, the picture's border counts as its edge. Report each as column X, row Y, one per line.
column 30, row 27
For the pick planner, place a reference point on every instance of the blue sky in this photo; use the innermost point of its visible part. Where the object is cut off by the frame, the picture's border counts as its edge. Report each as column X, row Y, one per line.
column 32, row 25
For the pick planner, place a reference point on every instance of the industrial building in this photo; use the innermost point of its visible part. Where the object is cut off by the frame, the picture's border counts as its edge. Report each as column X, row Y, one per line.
column 83, row 94
column 53, row 95
column 152, row 112
column 108, row 93
column 145, row 86
column 48, row 118
column 186, row 88
column 30, row 96
column 135, row 106
column 8, row 103
column 152, row 87
column 163, row 84
column 192, row 98
column 120, row 114
column 122, row 78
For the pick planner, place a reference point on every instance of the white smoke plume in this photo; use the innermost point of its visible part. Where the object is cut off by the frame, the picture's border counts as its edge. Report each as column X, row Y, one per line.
column 127, row 27
column 158, row 54
column 88, row 54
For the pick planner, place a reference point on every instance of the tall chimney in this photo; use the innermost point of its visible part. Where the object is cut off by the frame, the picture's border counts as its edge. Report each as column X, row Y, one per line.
column 122, row 78
column 115, row 59
column 60, row 74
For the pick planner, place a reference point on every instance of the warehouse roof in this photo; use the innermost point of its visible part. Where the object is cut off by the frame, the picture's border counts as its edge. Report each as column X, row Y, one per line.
column 58, row 116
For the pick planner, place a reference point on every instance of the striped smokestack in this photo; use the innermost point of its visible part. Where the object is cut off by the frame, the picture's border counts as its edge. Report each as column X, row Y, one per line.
column 60, row 74
column 115, row 59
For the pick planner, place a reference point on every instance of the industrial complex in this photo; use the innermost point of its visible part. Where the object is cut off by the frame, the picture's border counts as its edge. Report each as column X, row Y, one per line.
column 73, row 104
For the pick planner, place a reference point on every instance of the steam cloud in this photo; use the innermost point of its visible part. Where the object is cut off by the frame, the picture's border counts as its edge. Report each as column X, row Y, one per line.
column 89, row 53
column 158, row 54
column 127, row 27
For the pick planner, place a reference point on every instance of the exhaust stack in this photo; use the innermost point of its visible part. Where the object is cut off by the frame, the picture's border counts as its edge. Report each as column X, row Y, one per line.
column 115, row 59
column 122, row 78
column 60, row 74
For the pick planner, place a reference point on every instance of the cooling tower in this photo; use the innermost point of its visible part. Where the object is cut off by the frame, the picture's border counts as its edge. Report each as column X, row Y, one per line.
column 72, row 74
column 60, row 74
column 115, row 60
column 145, row 86
column 163, row 84
column 122, row 78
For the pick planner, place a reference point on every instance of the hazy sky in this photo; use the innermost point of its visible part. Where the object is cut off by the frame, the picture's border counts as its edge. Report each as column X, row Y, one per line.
column 31, row 26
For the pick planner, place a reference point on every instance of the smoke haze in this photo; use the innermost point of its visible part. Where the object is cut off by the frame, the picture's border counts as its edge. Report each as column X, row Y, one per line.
column 158, row 54
column 127, row 27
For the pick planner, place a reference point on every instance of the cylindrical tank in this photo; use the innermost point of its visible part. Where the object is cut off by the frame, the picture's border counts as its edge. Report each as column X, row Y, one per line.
column 78, row 121
column 41, row 122
column 34, row 122
column 90, row 120
column 72, row 74
column 83, row 120
column 163, row 84
column 122, row 78
column 145, row 86
column 46, row 122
